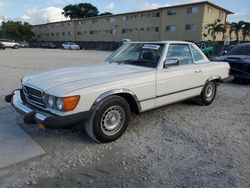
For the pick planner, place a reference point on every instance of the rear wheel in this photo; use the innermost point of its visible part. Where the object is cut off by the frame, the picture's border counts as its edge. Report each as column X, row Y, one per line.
column 109, row 120
column 208, row 93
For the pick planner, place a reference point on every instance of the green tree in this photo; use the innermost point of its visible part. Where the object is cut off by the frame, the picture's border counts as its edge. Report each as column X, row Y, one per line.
column 236, row 28
column 105, row 13
column 16, row 31
column 216, row 28
column 245, row 30
column 82, row 10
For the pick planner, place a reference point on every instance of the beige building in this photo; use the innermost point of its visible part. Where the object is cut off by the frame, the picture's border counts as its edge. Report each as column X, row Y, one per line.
column 180, row 22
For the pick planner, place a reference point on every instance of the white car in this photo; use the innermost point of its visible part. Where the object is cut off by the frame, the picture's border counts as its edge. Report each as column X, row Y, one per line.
column 70, row 46
column 139, row 76
column 10, row 44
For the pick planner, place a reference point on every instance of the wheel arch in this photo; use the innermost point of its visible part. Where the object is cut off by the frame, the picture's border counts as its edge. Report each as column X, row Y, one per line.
column 128, row 95
column 217, row 79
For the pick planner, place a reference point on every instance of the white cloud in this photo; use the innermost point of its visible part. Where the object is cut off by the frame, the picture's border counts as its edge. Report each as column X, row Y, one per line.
column 239, row 17
column 2, row 3
column 110, row 6
column 147, row 5
column 38, row 16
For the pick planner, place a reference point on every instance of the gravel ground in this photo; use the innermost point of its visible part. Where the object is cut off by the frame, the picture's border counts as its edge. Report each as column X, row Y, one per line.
column 181, row 145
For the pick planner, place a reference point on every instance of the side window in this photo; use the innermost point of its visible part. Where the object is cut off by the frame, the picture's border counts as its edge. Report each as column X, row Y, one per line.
column 196, row 54
column 180, row 52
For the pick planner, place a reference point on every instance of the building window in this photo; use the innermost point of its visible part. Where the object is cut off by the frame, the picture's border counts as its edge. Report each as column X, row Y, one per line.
column 156, row 29
column 148, row 29
column 125, row 18
column 171, row 13
column 92, row 32
column 209, row 10
column 57, row 34
column 221, row 14
column 113, row 31
column 156, row 14
column 170, row 28
column 192, row 10
column 94, row 21
column 124, row 30
column 52, row 34
column 69, row 33
column 112, row 19
column 130, row 30
column 63, row 33
column 142, row 29
column 79, row 33
column 191, row 27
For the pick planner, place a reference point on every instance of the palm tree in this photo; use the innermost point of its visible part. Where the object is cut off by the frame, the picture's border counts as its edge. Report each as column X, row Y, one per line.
column 216, row 28
column 246, row 30
column 236, row 28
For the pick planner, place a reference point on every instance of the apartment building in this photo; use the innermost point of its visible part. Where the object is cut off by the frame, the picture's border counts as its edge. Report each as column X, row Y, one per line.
column 179, row 22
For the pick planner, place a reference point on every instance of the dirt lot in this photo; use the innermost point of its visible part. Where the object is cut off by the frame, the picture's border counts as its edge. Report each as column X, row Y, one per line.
column 181, row 145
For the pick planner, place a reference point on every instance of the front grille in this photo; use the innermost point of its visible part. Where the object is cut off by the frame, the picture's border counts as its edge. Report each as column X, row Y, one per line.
column 33, row 96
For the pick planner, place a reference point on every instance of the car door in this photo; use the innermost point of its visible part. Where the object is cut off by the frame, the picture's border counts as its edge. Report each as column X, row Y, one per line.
column 176, row 82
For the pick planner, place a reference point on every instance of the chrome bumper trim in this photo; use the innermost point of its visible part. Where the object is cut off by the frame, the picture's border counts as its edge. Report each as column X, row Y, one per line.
column 18, row 104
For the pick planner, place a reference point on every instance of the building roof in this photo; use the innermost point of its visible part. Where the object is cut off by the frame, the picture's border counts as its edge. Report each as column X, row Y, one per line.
column 143, row 11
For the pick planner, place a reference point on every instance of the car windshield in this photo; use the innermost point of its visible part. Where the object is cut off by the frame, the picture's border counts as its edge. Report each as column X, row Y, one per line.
column 139, row 54
column 240, row 50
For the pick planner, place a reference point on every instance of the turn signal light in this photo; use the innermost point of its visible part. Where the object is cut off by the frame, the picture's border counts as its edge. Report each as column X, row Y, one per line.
column 70, row 103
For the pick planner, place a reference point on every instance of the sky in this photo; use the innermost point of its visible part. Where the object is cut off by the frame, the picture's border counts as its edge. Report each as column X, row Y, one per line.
column 43, row 11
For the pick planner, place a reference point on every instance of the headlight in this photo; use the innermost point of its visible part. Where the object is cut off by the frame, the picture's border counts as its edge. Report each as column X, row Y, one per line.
column 60, row 103
column 64, row 104
column 51, row 101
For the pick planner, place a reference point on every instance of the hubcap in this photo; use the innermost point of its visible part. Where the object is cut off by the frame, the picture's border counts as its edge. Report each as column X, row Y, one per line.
column 112, row 120
column 209, row 92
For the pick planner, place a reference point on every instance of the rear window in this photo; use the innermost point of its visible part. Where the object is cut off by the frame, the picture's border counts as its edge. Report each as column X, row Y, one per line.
column 240, row 50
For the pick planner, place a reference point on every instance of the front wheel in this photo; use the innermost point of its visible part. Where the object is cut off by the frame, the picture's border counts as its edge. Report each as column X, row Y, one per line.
column 208, row 93
column 16, row 47
column 109, row 120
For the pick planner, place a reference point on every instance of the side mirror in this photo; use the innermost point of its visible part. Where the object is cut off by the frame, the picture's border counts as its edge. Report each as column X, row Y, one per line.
column 224, row 52
column 171, row 62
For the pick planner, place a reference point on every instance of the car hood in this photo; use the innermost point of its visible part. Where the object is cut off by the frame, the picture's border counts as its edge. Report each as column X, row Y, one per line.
column 74, row 78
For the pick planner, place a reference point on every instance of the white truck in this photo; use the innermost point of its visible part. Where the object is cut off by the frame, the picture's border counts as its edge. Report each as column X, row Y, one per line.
column 139, row 76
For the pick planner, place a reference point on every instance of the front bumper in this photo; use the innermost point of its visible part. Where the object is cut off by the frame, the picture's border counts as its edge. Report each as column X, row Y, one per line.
column 32, row 115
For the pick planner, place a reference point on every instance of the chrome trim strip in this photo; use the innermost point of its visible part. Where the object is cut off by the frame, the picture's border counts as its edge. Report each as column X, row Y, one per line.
column 18, row 103
column 213, row 78
column 117, row 91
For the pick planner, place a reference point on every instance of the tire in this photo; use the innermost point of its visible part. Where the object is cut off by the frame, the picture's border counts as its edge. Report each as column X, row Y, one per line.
column 208, row 94
column 16, row 47
column 109, row 120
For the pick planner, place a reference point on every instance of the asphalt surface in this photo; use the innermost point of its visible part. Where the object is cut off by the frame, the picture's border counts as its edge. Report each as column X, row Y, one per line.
column 181, row 145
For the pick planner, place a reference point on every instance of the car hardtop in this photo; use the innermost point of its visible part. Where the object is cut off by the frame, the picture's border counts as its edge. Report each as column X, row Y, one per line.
column 159, row 42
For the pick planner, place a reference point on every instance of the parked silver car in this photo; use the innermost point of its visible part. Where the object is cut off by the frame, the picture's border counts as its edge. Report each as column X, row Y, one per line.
column 10, row 44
